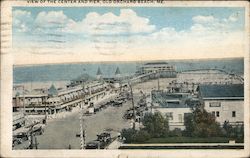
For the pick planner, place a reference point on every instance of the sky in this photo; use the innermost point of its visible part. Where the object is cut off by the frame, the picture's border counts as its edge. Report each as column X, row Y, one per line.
column 85, row 34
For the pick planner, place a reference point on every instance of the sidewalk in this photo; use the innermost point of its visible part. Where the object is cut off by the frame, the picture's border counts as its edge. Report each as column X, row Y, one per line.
column 64, row 114
column 115, row 144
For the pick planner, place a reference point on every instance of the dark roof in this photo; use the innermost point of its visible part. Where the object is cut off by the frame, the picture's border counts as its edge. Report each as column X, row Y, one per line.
column 168, row 96
column 84, row 77
column 174, row 105
column 218, row 91
column 169, row 100
column 99, row 72
column 156, row 63
column 17, row 93
column 117, row 71
column 52, row 90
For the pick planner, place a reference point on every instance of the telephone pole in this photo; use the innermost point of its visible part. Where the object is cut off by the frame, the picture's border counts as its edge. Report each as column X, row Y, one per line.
column 45, row 100
column 131, row 91
column 158, row 80
column 33, row 138
column 82, row 131
column 24, row 110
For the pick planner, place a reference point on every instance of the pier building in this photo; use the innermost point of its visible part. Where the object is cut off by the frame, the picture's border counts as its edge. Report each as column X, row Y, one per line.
column 60, row 100
column 164, row 69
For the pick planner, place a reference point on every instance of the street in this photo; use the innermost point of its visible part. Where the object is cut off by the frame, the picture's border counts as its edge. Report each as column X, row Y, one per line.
column 60, row 133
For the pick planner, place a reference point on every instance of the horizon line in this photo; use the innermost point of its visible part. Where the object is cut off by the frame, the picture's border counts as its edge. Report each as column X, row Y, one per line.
column 79, row 62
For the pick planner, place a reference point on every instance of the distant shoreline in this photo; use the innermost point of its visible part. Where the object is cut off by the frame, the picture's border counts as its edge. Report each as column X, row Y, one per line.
column 110, row 62
column 67, row 72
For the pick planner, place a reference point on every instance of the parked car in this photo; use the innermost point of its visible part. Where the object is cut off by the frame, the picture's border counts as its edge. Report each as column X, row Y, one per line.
column 93, row 145
column 101, row 142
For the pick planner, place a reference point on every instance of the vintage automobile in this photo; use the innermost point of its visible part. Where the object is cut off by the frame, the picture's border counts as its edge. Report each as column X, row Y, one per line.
column 22, row 134
column 101, row 142
column 93, row 145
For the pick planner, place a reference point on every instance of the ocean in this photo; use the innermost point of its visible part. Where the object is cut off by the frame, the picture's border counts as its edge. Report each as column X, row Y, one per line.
column 69, row 71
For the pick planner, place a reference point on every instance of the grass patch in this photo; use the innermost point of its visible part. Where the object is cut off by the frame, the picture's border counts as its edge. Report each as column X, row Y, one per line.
column 188, row 140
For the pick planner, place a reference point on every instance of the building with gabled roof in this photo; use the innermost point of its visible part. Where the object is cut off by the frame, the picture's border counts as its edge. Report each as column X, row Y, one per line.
column 117, row 72
column 52, row 91
column 99, row 73
column 231, row 91
column 80, row 80
column 171, row 105
column 225, row 102
column 164, row 69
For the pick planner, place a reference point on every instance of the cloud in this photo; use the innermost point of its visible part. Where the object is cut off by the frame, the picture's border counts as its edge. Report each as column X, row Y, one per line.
column 128, row 34
column 210, row 23
column 22, row 20
column 206, row 31
column 53, row 17
column 52, row 21
column 204, row 19
column 233, row 17
column 128, row 22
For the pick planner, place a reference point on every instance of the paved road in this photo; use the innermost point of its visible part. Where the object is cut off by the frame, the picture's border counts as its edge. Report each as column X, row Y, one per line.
column 61, row 132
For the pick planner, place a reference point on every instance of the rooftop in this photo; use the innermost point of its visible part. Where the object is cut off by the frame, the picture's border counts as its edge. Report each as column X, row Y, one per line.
column 117, row 71
column 84, row 77
column 99, row 72
column 170, row 100
column 221, row 91
column 174, row 105
column 169, row 96
column 52, row 90
column 156, row 63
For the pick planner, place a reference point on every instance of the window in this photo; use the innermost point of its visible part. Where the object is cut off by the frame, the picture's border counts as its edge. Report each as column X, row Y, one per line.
column 217, row 114
column 180, row 117
column 214, row 104
column 233, row 114
column 169, row 115
column 213, row 113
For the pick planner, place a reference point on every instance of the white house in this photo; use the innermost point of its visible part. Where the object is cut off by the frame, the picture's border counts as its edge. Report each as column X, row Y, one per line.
column 175, row 114
column 172, row 106
column 226, row 102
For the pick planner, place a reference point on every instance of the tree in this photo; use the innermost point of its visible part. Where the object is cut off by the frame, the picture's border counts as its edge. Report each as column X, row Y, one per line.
column 189, row 124
column 236, row 132
column 133, row 136
column 129, row 135
column 141, row 136
column 155, row 124
column 200, row 123
column 228, row 128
